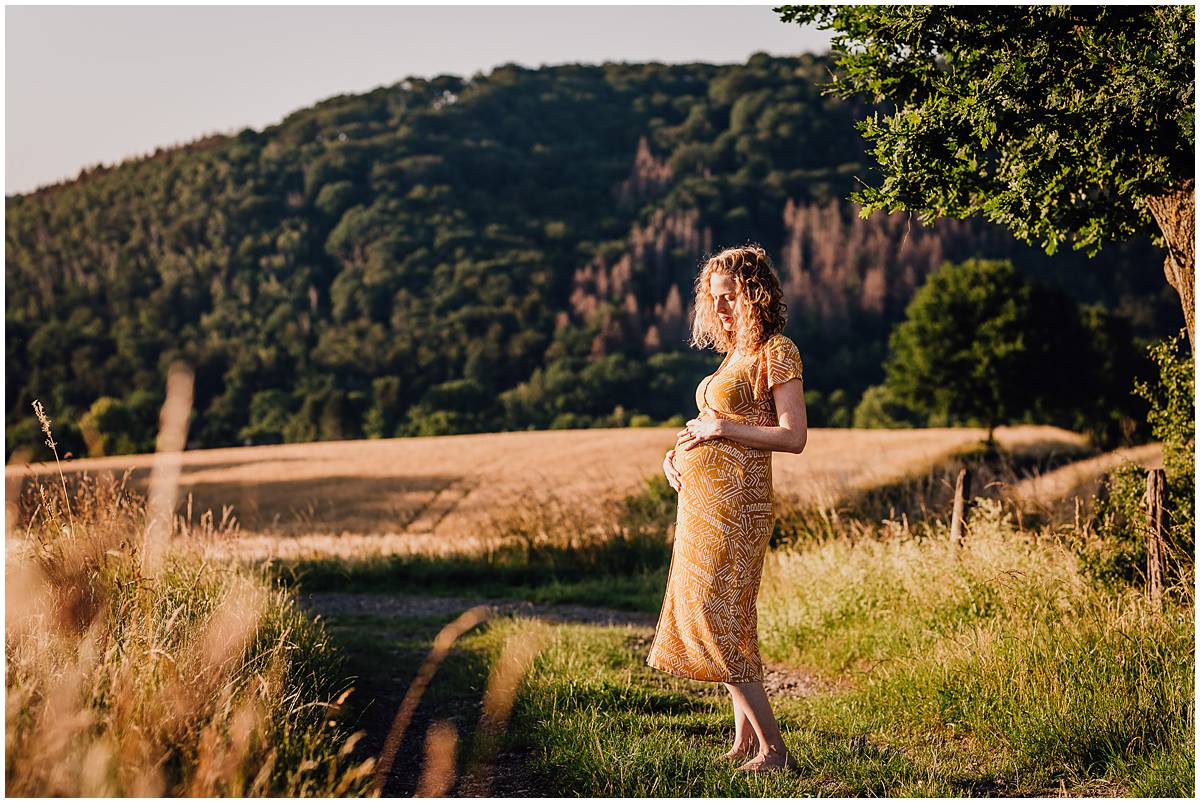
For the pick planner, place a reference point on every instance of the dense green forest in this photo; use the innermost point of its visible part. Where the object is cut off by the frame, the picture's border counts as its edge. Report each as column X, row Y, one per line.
column 506, row 251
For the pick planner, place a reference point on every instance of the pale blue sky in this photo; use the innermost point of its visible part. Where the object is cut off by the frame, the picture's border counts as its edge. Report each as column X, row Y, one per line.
column 97, row 84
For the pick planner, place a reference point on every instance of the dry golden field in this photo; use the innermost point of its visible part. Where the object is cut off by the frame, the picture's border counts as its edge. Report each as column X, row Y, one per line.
column 1083, row 477
column 438, row 494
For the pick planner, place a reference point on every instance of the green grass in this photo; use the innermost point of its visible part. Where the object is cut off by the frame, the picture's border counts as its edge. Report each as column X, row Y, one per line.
column 995, row 669
column 998, row 668
column 1005, row 641
column 597, row 722
column 1016, row 722
column 1100, row 705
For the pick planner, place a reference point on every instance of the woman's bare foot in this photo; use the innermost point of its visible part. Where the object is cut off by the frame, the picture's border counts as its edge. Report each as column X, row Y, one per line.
column 769, row 760
column 739, row 752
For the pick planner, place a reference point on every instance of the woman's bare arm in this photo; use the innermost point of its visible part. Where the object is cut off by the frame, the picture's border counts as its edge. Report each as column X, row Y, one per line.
column 790, row 436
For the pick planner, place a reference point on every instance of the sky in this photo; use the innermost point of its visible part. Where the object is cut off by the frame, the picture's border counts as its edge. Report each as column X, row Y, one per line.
column 86, row 85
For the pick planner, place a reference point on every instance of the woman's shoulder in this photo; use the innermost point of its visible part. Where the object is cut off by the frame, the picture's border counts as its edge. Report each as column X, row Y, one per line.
column 780, row 353
column 779, row 343
column 779, row 360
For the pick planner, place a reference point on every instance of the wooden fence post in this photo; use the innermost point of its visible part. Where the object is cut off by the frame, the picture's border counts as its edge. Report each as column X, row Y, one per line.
column 1155, row 481
column 962, row 490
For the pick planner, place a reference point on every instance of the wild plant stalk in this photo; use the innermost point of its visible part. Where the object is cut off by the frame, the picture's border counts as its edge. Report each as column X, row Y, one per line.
column 441, row 738
column 505, row 679
column 441, row 646
column 437, row 778
column 168, row 458
column 40, row 411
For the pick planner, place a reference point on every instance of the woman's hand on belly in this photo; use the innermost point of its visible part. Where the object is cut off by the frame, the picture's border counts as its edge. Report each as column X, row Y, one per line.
column 674, row 478
column 706, row 427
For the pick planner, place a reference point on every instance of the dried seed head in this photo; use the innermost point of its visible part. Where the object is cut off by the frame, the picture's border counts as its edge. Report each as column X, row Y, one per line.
column 45, row 420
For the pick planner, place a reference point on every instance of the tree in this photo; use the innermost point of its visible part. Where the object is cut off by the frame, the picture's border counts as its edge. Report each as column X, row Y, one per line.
column 269, row 411
column 121, row 426
column 1104, row 408
column 969, row 348
column 1064, row 123
column 371, row 249
column 879, row 409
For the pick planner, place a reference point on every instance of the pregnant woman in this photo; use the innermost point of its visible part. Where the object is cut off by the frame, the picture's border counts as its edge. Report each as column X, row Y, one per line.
column 721, row 469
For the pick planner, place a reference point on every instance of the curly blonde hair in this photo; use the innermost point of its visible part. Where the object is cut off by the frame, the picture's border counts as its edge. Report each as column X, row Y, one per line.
column 763, row 312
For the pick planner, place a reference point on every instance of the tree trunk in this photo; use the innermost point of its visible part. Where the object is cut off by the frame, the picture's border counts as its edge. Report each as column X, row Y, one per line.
column 1175, row 213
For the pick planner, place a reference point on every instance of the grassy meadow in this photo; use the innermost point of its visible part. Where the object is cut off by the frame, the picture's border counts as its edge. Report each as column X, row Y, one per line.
column 322, row 616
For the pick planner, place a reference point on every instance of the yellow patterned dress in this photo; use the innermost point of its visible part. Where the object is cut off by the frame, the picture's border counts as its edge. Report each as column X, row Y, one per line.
column 708, row 628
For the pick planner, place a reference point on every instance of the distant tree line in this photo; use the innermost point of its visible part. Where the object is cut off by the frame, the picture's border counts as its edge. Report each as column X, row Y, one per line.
column 506, row 251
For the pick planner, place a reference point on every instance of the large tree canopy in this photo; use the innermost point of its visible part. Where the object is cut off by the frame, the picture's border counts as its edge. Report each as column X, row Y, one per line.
column 1064, row 123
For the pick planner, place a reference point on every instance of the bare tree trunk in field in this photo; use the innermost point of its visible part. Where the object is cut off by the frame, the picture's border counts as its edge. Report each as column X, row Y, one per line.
column 1175, row 214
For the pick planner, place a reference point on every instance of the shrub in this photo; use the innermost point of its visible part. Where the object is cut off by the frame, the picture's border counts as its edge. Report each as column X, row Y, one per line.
column 1119, row 556
column 879, row 409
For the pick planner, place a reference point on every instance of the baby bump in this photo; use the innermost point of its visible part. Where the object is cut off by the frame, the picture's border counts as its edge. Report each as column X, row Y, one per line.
column 725, row 512
column 721, row 470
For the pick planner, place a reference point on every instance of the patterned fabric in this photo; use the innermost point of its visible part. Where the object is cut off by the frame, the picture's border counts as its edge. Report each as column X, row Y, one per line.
column 708, row 628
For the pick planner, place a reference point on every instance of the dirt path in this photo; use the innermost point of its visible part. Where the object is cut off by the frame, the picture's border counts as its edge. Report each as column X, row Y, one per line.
column 339, row 603
column 383, row 676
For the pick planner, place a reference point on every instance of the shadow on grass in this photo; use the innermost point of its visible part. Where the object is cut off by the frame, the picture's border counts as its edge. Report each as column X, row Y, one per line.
column 636, row 591
column 923, row 501
column 383, row 656
column 932, row 492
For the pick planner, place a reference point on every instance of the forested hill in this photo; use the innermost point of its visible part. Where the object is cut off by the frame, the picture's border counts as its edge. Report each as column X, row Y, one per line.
column 442, row 255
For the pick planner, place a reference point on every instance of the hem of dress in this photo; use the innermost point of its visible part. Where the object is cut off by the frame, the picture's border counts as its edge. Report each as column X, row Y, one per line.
column 758, row 679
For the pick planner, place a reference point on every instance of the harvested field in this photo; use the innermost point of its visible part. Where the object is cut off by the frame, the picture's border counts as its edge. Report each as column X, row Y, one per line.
column 1081, row 478
column 443, row 494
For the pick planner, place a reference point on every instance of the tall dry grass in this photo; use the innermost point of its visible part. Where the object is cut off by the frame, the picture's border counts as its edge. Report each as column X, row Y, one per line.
column 147, row 662
column 432, row 493
column 504, row 681
column 137, row 665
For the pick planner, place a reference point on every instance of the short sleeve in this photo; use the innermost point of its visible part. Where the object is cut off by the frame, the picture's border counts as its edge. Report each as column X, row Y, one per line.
column 778, row 362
